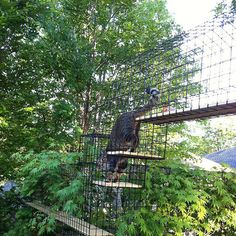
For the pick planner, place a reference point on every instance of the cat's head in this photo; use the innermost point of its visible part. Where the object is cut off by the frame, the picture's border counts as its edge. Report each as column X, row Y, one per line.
column 153, row 92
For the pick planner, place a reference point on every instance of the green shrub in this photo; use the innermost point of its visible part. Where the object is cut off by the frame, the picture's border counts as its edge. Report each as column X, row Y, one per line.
column 181, row 199
column 53, row 179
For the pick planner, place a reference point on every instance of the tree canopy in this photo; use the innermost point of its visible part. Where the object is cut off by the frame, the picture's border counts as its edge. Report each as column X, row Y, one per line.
column 53, row 55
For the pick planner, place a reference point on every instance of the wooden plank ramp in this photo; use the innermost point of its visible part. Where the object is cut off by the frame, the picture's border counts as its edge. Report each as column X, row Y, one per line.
column 75, row 223
column 116, row 184
column 189, row 114
column 134, row 155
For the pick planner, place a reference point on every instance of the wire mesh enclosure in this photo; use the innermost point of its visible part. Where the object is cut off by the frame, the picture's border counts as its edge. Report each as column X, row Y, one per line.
column 193, row 75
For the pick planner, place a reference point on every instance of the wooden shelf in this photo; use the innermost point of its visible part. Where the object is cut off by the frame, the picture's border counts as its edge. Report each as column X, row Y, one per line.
column 190, row 114
column 116, row 184
column 134, row 155
column 75, row 223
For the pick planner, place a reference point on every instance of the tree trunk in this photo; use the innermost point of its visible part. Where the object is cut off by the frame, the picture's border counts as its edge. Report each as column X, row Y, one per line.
column 85, row 119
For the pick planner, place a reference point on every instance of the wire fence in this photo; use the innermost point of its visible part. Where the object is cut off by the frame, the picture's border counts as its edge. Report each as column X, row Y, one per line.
column 195, row 74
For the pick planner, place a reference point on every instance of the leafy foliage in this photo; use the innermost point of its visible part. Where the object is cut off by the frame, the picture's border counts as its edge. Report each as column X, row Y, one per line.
column 51, row 178
column 53, row 55
column 52, row 58
column 179, row 199
column 201, row 137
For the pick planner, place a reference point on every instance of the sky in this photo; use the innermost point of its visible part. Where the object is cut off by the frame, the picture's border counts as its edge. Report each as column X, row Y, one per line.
column 189, row 13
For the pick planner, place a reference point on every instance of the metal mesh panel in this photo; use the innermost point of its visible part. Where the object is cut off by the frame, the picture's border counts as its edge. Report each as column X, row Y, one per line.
column 195, row 73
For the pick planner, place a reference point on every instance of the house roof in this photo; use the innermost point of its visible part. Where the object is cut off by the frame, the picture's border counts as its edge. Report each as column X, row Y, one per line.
column 227, row 156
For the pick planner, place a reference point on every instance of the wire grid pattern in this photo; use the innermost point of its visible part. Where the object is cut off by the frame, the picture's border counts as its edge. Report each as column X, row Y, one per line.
column 195, row 73
column 193, row 70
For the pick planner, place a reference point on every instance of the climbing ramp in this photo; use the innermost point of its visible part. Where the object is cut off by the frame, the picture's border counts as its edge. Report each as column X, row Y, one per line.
column 195, row 72
column 78, row 224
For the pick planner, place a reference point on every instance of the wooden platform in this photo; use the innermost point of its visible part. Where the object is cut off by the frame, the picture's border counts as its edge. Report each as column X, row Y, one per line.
column 190, row 114
column 117, row 184
column 75, row 223
column 134, row 155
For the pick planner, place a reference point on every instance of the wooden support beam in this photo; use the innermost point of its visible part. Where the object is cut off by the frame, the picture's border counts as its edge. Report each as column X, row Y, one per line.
column 117, row 184
column 75, row 223
column 190, row 114
column 134, row 155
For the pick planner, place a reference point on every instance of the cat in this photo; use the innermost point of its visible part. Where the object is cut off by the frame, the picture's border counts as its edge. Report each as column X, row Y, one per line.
column 124, row 137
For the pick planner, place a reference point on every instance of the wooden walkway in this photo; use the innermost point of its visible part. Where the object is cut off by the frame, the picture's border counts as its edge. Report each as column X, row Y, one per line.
column 190, row 114
column 75, row 223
